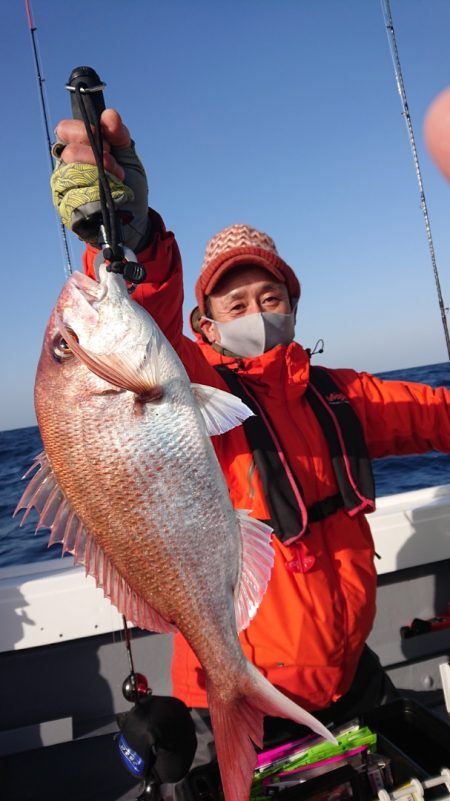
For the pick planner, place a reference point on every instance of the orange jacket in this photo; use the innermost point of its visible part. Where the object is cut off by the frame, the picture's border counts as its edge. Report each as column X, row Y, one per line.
column 310, row 629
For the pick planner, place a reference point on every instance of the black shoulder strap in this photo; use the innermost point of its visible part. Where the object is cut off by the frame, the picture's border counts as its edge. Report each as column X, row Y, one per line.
column 345, row 438
column 287, row 517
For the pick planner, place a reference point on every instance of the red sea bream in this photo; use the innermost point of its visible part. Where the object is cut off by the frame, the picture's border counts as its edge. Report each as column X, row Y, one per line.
column 130, row 483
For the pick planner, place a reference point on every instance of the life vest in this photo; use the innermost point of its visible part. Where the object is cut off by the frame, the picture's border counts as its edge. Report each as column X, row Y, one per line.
column 289, row 515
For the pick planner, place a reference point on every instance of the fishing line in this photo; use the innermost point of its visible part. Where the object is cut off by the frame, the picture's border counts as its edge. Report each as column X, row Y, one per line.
column 128, row 647
column 43, row 102
column 106, row 201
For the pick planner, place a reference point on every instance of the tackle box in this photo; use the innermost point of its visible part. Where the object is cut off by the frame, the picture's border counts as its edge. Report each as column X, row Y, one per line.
column 414, row 741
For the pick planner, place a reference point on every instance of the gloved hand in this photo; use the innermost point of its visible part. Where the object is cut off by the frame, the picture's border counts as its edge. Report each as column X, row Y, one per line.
column 74, row 183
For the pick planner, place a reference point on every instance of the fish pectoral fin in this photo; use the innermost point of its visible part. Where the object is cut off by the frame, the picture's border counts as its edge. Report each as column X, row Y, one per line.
column 120, row 371
column 257, row 563
column 221, row 410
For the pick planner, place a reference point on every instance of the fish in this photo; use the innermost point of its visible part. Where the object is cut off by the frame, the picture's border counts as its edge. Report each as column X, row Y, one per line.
column 130, row 484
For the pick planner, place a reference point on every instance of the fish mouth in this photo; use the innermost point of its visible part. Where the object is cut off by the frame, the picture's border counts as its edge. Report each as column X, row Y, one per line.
column 92, row 291
column 79, row 305
column 79, row 301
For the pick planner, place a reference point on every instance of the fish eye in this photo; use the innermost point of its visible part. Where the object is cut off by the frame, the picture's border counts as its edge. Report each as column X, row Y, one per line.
column 61, row 348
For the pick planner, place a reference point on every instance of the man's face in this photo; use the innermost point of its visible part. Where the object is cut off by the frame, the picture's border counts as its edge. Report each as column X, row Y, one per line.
column 244, row 290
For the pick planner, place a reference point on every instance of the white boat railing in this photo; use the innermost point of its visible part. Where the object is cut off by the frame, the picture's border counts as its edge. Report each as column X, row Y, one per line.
column 50, row 602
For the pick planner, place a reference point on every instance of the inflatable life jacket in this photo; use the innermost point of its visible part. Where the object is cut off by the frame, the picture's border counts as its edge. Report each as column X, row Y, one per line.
column 289, row 515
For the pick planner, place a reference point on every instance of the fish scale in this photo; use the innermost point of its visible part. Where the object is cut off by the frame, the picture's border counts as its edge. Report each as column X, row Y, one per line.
column 162, row 448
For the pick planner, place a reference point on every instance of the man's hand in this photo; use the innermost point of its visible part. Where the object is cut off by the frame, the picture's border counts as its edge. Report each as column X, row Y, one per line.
column 74, row 182
column 437, row 131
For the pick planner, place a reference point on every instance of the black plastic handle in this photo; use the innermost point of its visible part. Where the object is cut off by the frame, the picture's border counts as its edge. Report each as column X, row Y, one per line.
column 92, row 86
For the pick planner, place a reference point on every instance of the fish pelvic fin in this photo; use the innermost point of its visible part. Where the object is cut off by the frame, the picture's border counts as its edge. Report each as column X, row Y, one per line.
column 256, row 567
column 238, row 727
column 221, row 411
column 120, row 370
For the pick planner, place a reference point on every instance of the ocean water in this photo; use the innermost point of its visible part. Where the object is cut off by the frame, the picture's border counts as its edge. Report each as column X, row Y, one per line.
column 20, row 545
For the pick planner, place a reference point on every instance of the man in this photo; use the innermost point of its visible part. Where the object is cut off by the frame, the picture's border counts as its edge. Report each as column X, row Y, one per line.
column 303, row 461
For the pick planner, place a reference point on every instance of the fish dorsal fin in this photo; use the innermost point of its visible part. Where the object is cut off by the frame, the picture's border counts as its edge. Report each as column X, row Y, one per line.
column 45, row 495
column 221, row 410
column 257, row 562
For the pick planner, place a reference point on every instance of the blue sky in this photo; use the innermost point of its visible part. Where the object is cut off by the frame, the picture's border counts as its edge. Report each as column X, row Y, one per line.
column 280, row 113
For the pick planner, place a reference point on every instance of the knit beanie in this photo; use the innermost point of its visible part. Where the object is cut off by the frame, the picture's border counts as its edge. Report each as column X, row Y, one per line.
column 241, row 244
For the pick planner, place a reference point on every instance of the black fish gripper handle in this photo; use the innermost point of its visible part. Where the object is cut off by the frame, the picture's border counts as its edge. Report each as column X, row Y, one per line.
column 91, row 86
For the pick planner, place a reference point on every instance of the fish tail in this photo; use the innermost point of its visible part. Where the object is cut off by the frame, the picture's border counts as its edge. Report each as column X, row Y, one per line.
column 238, row 727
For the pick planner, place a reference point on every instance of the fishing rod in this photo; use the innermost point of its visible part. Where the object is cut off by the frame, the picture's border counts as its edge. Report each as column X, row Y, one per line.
column 88, row 108
column 386, row 8
column 45, row 115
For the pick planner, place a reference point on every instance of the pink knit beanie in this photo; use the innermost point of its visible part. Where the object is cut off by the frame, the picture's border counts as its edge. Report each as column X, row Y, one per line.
column 241, row 244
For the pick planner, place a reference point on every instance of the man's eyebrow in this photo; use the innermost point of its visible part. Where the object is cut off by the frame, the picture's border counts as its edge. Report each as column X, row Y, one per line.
column 272, row 285
column 235, row 293
column 240, row 291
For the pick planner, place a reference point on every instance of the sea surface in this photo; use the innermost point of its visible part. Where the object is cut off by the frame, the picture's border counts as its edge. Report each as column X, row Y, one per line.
column 20, row 545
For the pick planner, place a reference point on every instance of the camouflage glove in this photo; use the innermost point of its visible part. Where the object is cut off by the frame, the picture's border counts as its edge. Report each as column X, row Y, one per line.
column 75, row 193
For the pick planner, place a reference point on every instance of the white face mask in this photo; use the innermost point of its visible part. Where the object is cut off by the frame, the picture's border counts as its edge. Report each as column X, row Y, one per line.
column 254, row 334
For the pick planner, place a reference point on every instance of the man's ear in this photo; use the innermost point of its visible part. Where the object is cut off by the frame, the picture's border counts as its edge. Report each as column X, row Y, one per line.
column 209, row 330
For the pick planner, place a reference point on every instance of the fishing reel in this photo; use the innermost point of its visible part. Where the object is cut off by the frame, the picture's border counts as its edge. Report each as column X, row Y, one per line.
column 157, row 739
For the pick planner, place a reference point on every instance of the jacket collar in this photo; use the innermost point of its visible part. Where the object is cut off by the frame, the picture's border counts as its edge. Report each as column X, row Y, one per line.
column 285, row 366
